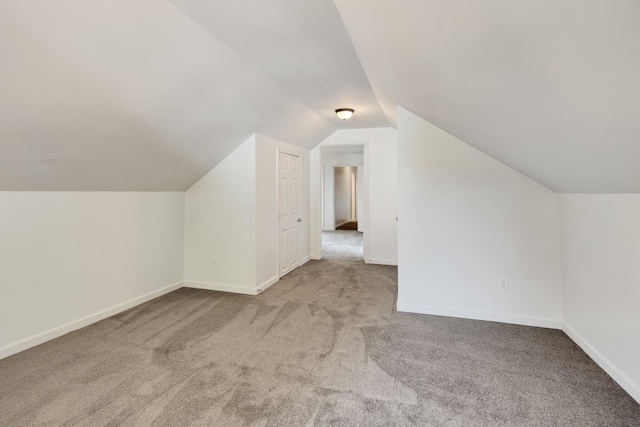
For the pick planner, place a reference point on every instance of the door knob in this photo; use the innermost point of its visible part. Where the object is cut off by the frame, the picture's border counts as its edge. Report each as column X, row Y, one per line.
column 299, row 219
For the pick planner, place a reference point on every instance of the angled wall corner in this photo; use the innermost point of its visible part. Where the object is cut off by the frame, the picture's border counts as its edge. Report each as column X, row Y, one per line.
column 600, row 236
column 220, row 228
column 231, row 219
column 267, row 150
column 69, row 259
column 465, row 220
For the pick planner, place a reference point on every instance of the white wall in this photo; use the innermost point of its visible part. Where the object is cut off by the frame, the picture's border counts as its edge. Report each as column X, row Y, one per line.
column 267, row 206
column 316, row 208
column 267, row 211
column 380, row 215
column 360, row 197
column 383, row 196
column 601, row 280
column 354, row 193
column 232, row 214
column 68, row 259
column 220, row 222
column 342, row 194
column 466, row 219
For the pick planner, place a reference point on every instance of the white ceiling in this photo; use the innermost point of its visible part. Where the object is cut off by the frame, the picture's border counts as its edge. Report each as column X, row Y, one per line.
column 130, row 95
column 151, row 94
column 302, row 46
column 549, row 87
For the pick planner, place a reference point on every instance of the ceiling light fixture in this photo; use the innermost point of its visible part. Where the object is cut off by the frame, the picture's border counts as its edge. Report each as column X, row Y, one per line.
column 344, row 113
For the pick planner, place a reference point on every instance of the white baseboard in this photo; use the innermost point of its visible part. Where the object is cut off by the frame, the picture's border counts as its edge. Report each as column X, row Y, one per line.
column 315, row 256
column 235, row 289
column 305, row 260
column 382, row 261
column 58, row 331
column 618, row 376
column 477, row 315
column 328, row 229
column 266, row 285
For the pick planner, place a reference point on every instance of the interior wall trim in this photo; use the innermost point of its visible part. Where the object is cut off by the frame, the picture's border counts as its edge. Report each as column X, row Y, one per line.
column 266, row 285
column 382, row 261
column 478, row 315
column 618, row 376
column 58, row 331
column 210, row 286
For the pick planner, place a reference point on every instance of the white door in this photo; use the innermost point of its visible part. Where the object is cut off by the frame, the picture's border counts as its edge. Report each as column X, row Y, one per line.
column 288, row 212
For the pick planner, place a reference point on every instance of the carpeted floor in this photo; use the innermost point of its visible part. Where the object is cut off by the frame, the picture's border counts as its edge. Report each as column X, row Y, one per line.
column 324, row 346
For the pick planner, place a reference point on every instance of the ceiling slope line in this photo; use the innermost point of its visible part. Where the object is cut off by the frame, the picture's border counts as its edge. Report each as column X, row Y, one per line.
column 303, row 47
column 168, row 75
column 547, row 88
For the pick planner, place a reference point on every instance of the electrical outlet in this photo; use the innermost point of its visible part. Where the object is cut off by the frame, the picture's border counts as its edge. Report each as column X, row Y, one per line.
column 503, row 283
column 214, row 260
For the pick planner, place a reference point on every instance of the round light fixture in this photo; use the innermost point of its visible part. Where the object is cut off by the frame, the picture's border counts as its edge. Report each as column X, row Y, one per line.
column 344, row 113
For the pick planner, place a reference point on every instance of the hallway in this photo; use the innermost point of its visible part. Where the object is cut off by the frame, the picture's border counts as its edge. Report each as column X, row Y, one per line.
column 342, row 244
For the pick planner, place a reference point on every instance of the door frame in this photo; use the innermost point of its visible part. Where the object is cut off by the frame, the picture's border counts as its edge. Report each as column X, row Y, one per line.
column 337, row 165
column 317, row 199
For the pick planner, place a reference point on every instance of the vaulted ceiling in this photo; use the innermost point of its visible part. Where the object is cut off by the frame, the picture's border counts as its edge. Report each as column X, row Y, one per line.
column 151, row 94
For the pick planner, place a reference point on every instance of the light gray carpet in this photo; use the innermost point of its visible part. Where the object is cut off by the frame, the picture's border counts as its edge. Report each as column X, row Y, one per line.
column 322, row 347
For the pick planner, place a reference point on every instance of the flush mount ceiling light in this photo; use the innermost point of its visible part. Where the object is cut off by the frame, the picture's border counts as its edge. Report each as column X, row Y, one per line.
column 344, row 113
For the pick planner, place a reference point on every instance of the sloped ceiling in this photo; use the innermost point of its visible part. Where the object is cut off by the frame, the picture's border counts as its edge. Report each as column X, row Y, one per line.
column 151, row 94
column 135, row 95
column 549, row 87
column 301, row 45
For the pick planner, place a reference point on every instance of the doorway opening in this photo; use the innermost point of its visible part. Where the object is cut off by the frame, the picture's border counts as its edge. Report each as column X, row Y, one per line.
column 345, row 194
column 343, row 201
